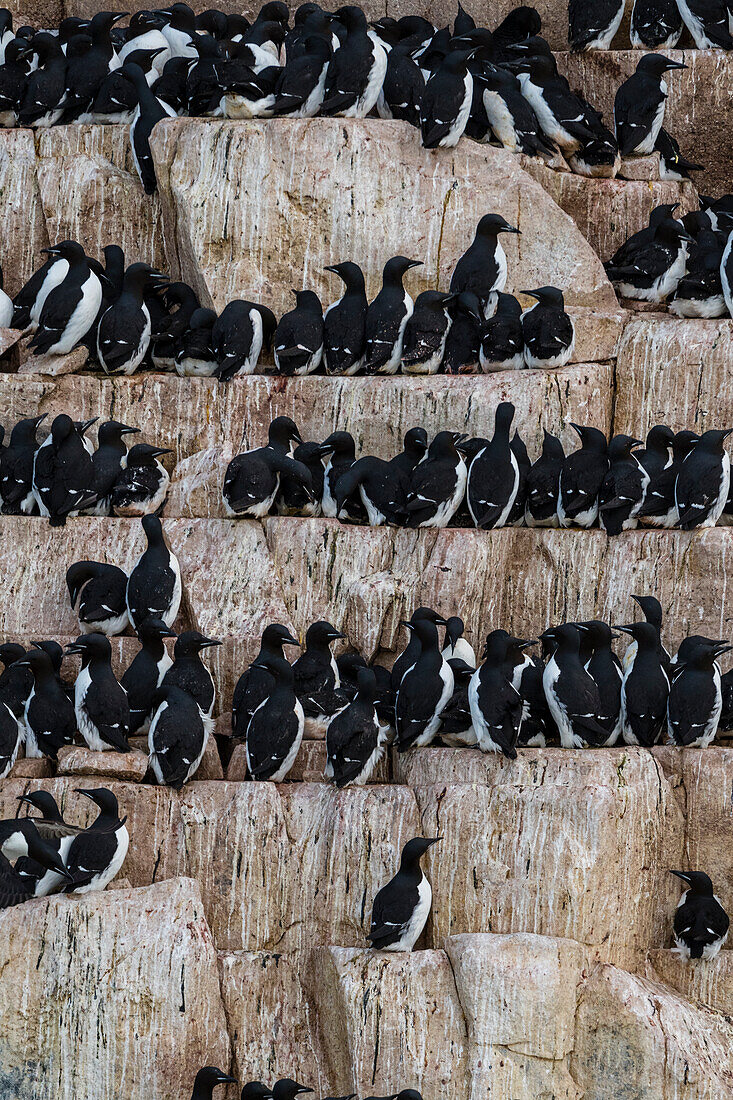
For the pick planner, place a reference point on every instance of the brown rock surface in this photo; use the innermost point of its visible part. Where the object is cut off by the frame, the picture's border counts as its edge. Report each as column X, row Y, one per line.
column 696, row 110
column 674, row 371
column 272, row 1024
column 709, row 983
column 708, row 781
column 307, row 219
column 638, row 1036
column 519, row 996
column 389, row 1017
column 23, row 226
column 529, row 849
column 53, row 366
column 117, row 989
column 124, row 766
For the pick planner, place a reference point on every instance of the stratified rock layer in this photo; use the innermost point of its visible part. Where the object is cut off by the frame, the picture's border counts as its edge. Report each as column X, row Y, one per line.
column 109, row 995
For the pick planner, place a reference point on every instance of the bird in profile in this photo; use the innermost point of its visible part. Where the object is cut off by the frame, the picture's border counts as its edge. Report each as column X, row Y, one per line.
column 701, row 923
column 401, row 908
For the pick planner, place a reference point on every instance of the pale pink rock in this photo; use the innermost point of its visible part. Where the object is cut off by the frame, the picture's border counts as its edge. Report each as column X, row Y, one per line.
column 123, row 766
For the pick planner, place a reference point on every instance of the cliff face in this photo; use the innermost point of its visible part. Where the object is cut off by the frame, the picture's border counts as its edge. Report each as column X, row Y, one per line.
column 238, row 937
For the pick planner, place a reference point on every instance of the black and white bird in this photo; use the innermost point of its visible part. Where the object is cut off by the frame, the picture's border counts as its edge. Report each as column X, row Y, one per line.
column 208, row 1077
column 144, row 675
column 298, row 339
column 438, row 483
column 344, row 323
column 462, row 348
column 482, row 269
column 639, row 105
column 238, row 336
column 701, row 924
column 45, row 91
column 411, row 652
column 424, row 690
column 709, row 22
column 510, row 116
column 426, row 333
column 97, row 594
column 645, row 687
column 695, row 696
column 190, row 674
column 593, row 26
column 356, row 71
column 57, row 834
column 493, row 475
column 275, row 730
column 703, row 482
column 96, row 856
column 446, row 101
column 316, row 675
column 154, row 585
column 571, row 692
column 502, row 340
column 581, row 479
column 562, row 114
column 414, row 449
column 699, row 292
column 624, row 487
column 177, row 736
column 16, row 887
column 252, row 479
column 16, row 468
column 301, row 83
column 70, row 308
column 604, row 667
column 194, row 355
column 660, row 507
column 100, row 702
column 726, row 274
column 627, row 253
column 293, row 499
column 148, row 112
column 381, row 488
column 108, row 461
column 655, row 456
column 403, row 86
column 63, row 473
column 543, row 484
column 401, row 908
column 655, row 24
column 548, row 331
column 355, row 738
column 142, row 486
column 387, row 318
column 255, row 683
column 123, row 336
column 495, row 702
column 340, row 451
column 456, row 724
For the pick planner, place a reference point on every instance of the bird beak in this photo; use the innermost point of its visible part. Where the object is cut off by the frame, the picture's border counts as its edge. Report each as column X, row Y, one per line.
column 225, row 1079
column 512, row 229
column 211, row 642
column 674, row 65
column 433, row 839
column 332, row 267
column 403, row 622
column 86, row 424
column 290, row 640
column 129, row 431
column 415, row 263
column 722, row 647
column 525, row 644
column 333, row 636
column 40, row 418
column 87, row 794
column 531, row 294
column 681, row 874
column 623, row 629
column 161, row 451
column 71, row 648
column 119, row 15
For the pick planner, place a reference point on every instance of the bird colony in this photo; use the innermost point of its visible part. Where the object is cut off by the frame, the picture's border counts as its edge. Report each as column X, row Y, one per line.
column 499, row 86
column 675, row 479
column 138, row 685
column 132, row 317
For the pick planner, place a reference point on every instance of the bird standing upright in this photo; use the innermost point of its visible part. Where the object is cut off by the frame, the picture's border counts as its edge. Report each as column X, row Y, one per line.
column 639, row 105
column 154, row 585
column 401, row 908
